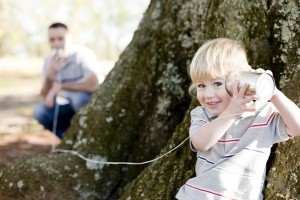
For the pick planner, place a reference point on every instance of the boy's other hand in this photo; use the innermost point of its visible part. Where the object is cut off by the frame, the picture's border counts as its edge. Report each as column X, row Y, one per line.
column 239, row 102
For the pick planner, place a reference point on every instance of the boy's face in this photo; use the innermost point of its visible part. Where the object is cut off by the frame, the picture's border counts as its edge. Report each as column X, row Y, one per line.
column 213, row 96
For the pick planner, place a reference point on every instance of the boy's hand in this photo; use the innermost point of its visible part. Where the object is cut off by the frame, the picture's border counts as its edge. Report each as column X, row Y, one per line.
column 258, row 70
column 239, row 101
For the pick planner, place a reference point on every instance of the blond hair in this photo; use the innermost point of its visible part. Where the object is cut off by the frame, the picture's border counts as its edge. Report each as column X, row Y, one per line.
column 217, row 58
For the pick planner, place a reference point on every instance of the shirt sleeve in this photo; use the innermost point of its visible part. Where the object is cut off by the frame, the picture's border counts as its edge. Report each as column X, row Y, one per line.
column 82, row 64
column 89, row 62
column 198, row 119
column 280, row 133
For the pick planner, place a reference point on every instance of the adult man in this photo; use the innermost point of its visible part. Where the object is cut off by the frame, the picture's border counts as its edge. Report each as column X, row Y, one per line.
column 68, row 80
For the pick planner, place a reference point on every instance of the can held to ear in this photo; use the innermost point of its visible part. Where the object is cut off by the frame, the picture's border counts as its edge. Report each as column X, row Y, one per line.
column 260, row 84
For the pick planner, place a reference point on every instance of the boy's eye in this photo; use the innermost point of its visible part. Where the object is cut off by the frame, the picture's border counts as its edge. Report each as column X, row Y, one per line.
column 217, row 84
column 201, row 86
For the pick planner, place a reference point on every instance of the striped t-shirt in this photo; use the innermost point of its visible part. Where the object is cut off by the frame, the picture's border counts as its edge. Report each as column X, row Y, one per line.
column 81, row 63
column 235, row 167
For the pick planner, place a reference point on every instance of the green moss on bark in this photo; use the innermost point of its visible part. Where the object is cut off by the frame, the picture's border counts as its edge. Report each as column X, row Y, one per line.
column 42, row 178
column 284, row 175
column 162, row 178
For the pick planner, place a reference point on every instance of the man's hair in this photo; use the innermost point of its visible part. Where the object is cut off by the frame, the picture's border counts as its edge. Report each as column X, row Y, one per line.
column 217, row 58
column 58, row 25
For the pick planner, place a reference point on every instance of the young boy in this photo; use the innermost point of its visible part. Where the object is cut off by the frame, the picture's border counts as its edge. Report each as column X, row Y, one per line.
column 232, row 135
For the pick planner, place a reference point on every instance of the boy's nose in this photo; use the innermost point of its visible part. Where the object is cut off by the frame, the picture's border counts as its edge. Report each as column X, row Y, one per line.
column 209, row 92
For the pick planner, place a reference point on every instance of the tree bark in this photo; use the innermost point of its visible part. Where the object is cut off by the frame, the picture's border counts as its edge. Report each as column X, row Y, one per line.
column 283, row 177
column 142, row 108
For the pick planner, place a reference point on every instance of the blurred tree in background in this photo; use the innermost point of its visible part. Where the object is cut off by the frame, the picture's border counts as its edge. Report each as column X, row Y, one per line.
column 105, row 26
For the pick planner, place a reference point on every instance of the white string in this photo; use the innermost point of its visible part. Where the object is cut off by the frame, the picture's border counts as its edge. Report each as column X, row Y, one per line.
column 55, row 115
column 54, row 150
column 118, row 163
column 56, row 109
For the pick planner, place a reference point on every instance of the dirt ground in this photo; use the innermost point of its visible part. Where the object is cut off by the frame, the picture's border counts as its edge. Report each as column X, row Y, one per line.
column 20, row 134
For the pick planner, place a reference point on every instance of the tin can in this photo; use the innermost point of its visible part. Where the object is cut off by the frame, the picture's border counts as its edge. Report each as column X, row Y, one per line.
column 58, row 52
column 260, row 84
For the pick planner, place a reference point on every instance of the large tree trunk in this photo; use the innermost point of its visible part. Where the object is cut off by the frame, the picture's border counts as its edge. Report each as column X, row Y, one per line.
column 284, row 175
column 134, row 113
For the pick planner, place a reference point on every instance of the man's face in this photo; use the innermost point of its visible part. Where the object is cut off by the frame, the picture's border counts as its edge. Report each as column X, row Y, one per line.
column 57, row 37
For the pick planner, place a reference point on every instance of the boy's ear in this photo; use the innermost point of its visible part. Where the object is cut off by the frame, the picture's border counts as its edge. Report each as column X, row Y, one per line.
column 193, row 90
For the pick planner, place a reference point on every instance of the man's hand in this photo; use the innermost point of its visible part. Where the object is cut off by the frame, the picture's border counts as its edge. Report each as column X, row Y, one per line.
column 50, row 97
column 56, row 64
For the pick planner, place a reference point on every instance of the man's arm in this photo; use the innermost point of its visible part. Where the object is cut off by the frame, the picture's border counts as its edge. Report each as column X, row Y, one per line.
column 48, row 83
column 90, row 84
column 55, row 65
column 289, row 112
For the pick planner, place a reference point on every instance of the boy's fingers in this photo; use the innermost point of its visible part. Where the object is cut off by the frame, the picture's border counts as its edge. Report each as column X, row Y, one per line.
column 251, row 109
column 243, row 89
column 249, row 98
column 235, row 88
column 260, row 70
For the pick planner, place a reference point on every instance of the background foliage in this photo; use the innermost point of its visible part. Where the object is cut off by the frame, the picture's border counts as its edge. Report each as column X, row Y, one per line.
column 105, row 26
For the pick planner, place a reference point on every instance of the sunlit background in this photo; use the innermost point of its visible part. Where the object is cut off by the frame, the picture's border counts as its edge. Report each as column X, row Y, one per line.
column 105, row 26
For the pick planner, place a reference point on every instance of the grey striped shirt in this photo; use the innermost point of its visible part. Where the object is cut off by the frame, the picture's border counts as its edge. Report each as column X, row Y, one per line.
column 235, row 167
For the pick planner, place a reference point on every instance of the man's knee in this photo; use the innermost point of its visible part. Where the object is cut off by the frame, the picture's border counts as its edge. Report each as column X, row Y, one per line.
column 43, row 114
column 38, row 112
column 80, row 100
